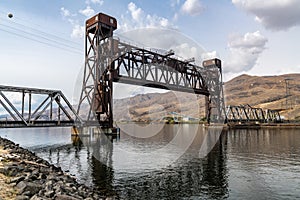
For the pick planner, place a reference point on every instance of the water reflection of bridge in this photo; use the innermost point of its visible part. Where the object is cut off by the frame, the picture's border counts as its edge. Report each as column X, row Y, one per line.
column 189, row 176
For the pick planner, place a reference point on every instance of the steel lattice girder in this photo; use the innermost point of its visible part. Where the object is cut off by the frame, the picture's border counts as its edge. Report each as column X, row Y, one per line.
column 51, row 108
column 146, row 68
column 108, row 60
column 243, row 113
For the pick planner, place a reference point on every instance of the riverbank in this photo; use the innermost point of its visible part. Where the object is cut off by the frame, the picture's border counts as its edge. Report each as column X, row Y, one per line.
column 23, row 175
column 263, row 125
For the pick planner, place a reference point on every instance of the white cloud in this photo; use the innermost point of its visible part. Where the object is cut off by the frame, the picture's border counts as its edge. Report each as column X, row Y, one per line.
column 88, row 11
column 273, row 15
column 139, row 19
column 155, row 21
column 192, row 7
column 136, row 13
column 209, row 55
column 78, row 31
column 244, row 51
column 100, row 2
column 65, row 12
column 175, row 3
column 175, row 17
column 186, row 51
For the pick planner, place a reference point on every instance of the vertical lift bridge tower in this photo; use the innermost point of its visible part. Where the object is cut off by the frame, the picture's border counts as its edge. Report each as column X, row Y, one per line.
column 97, row 86
column 101, row 51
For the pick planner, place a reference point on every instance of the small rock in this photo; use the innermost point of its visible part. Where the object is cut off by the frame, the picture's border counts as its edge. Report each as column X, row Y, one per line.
column 35, row 197
column 21, row 185
column 22, row 197
column 32, row 188
column 33, row 177
column 17, row 179
column 27, row 193
column 49, row 194
column 42, row 176
column 65, row 197
column 51, row 177
column 13, row 184
column 70, row 184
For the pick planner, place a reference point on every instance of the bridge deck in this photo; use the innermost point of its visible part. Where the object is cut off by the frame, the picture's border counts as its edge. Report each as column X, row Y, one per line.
column 21, row 124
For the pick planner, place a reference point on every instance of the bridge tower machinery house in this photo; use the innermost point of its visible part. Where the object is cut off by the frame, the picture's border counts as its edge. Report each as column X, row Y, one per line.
column 109, row 60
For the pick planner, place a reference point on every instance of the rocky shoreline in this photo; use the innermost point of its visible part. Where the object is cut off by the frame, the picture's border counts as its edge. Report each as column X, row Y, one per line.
column 23, row 175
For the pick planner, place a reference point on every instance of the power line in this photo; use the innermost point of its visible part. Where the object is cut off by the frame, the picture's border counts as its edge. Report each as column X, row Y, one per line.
column 41, row 36
column 35, row 29
column 45, row 33
column 45, row 43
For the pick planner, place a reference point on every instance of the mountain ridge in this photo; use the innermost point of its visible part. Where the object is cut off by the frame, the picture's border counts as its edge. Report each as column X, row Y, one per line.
column 281, row 92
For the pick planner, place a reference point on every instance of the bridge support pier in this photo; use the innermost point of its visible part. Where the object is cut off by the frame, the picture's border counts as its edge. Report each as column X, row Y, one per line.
column 84, row 131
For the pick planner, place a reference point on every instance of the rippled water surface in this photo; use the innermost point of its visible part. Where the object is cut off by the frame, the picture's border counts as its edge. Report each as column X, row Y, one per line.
column 171, row 161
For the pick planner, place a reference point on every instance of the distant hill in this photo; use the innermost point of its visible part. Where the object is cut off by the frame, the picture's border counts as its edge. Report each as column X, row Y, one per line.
column 266, row 92
column 155, row 106
column 257, row 91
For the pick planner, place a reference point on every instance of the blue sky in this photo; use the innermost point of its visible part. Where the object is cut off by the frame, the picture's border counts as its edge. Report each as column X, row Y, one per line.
column 43, row 44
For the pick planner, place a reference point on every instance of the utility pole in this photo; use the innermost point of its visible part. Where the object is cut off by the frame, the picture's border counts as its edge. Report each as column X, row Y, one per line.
column 287, row 91
column 288, row 94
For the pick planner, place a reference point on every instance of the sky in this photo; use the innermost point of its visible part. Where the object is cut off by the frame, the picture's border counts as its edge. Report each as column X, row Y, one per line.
column 42, row 45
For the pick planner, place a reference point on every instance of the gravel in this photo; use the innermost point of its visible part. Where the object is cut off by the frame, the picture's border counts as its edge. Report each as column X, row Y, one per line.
column 34, row 178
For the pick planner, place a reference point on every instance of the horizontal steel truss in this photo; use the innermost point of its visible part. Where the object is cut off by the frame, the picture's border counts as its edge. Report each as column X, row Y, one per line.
column 51, row 108
column 246, row 113
column 143, row 67
column 109, row 60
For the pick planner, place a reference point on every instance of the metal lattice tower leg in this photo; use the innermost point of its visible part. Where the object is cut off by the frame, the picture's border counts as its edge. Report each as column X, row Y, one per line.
column 95, row 102
column 215, row 101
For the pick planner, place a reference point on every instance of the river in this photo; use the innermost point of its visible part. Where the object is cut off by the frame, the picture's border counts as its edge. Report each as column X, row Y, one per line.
column 175, row 161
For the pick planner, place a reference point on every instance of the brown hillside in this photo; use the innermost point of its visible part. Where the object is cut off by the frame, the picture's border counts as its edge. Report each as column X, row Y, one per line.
column 266, row 92
column 257, row 91
column 155, row 106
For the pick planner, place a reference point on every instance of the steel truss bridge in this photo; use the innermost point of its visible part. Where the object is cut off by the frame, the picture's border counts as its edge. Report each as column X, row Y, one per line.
column 109, row 60
column 246, row 113
column 29, row 107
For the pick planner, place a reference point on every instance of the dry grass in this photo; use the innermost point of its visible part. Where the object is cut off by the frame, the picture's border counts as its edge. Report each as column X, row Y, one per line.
column 7, row 190
column 267, row 92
